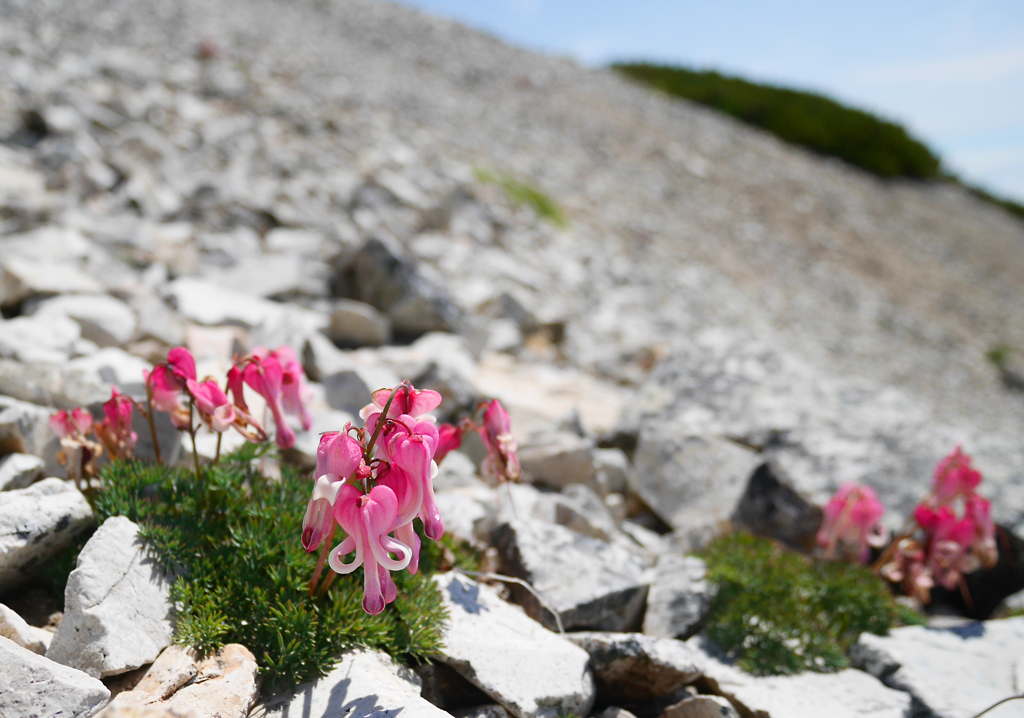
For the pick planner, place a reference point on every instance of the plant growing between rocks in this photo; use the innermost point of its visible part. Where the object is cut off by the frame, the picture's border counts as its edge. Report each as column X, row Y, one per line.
column 236, row 539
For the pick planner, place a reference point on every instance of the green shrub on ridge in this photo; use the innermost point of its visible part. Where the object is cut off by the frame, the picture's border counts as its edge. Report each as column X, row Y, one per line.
column 233, row 541
column 803, row 118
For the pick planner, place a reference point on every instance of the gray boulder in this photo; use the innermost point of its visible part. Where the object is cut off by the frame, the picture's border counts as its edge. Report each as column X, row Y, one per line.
column 702, row 707
column 530, row 671
column 357, row 324
column 104, row 320
column 40, row 339
column 36, row 523
column 19, row 470
column 770, row 507
column 32, row 686
column 22, row 278
column 14, row 628
column 558, row 459
column 631, row 667
column 679, row 598
column 117, row 609
column 687, row 480
column 591, row 583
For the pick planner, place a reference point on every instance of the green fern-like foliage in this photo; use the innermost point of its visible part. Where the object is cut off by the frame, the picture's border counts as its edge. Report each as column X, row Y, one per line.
column 781, row 613
column 232, row 539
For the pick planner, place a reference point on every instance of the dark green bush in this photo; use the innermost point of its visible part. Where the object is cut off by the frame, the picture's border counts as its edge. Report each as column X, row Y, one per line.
column 781, row 613
column 233, row 540
column 803, row 118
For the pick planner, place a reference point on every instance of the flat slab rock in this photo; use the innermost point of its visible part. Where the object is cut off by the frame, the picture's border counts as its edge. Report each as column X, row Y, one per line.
column 632, row 667
column 529, row 670
column 591, row 583
column 32, row 686
column 15, row 628
column 679, row 597
column 952, row 672
column 368, row 684
column 117, row 609
column 36, row 523
column 225, row 685
column 846, row 694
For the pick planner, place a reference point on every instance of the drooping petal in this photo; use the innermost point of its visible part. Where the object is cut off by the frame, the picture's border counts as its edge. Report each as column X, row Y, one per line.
column 449, row 439
column 182, row 364
column 345, row 547
column 407, row 535
column 338, row 453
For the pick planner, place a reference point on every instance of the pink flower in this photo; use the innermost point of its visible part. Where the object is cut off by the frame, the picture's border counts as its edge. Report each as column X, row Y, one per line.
column 167, row 381
column 67, row 424
column 368, row 519
column 449, row 438
column 852, row 518
column 496, row 432
column 411, row 447
column 338, row 457
column 263, row 372
column 182, row 364
column 293, row 385
column 409, row 493
column 979, row 511
column 949, row 540
column 408, row 400
column 954, row 477
column 908, row 568
column 214, row 408
column 115, row 431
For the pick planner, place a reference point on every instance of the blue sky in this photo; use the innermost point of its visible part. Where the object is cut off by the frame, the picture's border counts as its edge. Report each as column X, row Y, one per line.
column 952, row 72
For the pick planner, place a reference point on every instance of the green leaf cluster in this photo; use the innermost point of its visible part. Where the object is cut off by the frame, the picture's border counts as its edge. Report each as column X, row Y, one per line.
column 233, row 540
column 780, row 613
column 524, row 194
column 803, row 118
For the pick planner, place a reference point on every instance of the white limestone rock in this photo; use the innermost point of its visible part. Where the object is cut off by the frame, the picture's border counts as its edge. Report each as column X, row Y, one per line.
column 593, row 584
column 679, row 597
column 32, row 686
column 365, row 683
column 225, row 685
column 19, row 470
column 36, row 523
column 630, row 667
column 951, row 672
column 22, row 278
column 14, row 628
column 529, row 670
column 847, row 694
column 690, row 480
column 175, row 667
column 558, row 459
column 25, row 428
column 117, row 609
column 39, row 339
column 350, row 389
column 702, row 707
column 357, row 324
column 104, row 320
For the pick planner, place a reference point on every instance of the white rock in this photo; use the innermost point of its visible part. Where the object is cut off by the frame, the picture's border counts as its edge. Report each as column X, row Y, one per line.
column 36, row 523
column 592, row 584
column 32, row 686
column 22, row 278
column 112, row 366
column 104, row 320
column 350, row 389
column 25, row 428
column 690, row 480
column 512, row 658
column 952, row 672
column 364, row 683
column 14, row 628
column 19, row 470
column 456, row 471
column 357, row 324
column 295, row 241
column 846, row 694
column 175, row 667
column 117, row 610
column 468, row 511
column 225, row 685
column 209, row 303
column 271, row 275
column 679, row 597
column 39, row 339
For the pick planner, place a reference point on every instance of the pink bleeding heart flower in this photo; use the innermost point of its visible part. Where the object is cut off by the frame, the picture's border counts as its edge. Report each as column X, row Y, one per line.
column 293, row 386
column 449, row 438
column 115, row 431
column 338, row 457
column 167, row 381
column 852, row 517
column 263, row 372
column 409, row 400
column 215, row 410
column 409, row 493
column 182, row 364
column 954, row 476
column 368, row 519
column 979, row 511
column 67, row 424
column 948, row 541
column 411, row 447
column 502, row 460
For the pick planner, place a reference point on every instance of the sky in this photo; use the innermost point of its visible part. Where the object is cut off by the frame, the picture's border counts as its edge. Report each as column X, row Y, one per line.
column 951, row 72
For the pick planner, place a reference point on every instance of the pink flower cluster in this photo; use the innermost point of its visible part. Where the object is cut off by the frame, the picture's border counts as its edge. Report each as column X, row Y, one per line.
column 373, row 482
column 78, row 452
column 952, row 532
